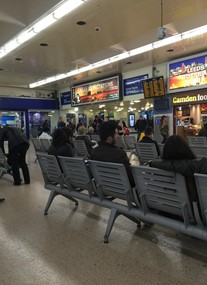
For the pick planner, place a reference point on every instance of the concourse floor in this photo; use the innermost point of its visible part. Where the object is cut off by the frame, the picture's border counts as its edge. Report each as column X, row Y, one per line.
column 66, row 247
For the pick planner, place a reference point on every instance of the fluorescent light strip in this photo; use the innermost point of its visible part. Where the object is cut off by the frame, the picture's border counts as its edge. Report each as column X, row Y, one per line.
column 158, row 44
column 41, row 24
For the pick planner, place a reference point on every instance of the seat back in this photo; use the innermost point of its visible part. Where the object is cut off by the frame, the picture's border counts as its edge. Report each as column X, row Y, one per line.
column 146, row 152
column 196, row 140
column 76, row 173
column 51, row 170
column 201, row 182
column 161, row 146
column 111, row 179
column 37, row 145
column 45, row 144
column 80, row 148
column 129, row 141
column 163, row 191
column 95, row 138
column 120, row 142
column 199, row 150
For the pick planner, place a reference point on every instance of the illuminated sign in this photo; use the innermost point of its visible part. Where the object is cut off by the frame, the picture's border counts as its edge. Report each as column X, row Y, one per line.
column 189, row 73
column 189, row 99
column 154, row 87
column 134, row 85
column 96, row 92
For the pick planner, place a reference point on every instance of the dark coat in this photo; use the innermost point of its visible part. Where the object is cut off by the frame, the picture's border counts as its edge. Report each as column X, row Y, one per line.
column 14, row 136
column 140, row 125
column 185, row 167
column 62, row 150
column 146, row 139
column 110, row 153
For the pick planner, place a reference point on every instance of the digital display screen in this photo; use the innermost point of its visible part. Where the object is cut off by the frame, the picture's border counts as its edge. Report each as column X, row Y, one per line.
column 188, row 73
column 154, row 87
column 96, row 92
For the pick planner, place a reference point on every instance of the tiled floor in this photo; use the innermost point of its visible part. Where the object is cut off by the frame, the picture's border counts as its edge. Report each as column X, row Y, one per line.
column 66, row 247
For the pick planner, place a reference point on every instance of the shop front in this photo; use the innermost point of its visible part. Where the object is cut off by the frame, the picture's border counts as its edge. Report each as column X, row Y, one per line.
column 189, row 112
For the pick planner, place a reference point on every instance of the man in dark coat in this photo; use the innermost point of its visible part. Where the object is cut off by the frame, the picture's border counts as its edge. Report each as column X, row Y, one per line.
column 107, row 150
column 148, row 134
column 17, row 149
column 140, row 126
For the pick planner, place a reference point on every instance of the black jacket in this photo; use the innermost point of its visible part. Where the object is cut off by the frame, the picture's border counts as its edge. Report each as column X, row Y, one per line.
column 62, row 150
column 186, row 167
column 14, row 136
column 110, row 153
column 146, row 139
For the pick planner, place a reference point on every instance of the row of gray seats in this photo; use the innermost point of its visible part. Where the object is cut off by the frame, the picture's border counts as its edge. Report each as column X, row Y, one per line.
column 198, row 145
column 159, row 196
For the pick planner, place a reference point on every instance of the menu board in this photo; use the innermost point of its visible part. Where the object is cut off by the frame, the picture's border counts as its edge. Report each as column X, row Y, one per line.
column 154, row 87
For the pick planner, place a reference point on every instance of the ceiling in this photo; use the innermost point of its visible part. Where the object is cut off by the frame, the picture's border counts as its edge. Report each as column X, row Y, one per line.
column 122, row 26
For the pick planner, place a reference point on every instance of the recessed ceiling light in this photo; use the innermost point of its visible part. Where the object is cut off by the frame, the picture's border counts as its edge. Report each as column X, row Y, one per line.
column 81, row 23
column 43, row 45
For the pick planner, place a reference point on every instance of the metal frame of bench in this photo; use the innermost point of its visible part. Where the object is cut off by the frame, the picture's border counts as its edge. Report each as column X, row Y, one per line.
column 157, row 190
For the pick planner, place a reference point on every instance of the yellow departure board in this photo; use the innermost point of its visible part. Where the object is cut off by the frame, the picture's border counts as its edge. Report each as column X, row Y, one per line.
column 153, row 87
column 158, row 86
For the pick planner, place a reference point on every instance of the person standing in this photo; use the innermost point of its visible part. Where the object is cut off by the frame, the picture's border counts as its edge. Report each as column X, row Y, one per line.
column 140, row 126
column 164, row 129
column 96, row 124
column 61, row 123
column 17, row 149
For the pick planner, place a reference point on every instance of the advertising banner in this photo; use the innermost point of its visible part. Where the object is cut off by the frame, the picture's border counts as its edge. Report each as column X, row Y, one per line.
column 188, row 73
column 96, row 92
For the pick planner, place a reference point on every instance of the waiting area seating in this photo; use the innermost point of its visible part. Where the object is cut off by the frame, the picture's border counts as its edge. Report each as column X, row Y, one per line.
column 198, row 145
column 159, row 197
column 146, row 152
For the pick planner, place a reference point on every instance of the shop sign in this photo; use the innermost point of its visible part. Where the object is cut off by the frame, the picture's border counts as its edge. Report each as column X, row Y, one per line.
column 189, row 99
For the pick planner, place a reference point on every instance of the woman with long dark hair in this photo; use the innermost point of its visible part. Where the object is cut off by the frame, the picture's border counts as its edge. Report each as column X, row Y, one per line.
column 178, row 157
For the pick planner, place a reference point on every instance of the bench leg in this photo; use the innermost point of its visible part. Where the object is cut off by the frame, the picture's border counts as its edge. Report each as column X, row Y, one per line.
column 53, row 194
column 113, row 215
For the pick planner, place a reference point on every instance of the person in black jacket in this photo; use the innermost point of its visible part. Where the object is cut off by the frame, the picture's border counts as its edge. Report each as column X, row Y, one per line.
column 107, row 150
column 178, row 157
column 148, row 134
column 140, row 126
column 17, row 149
column 61, row 144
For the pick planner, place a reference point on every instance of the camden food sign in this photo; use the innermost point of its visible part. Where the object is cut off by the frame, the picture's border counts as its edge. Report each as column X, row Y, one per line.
column 189, row 99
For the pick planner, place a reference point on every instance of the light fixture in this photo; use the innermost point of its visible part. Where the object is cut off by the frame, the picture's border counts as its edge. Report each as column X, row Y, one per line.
column 136, row 51
column 42, row 23
column 76, row 109
column 194, row 32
